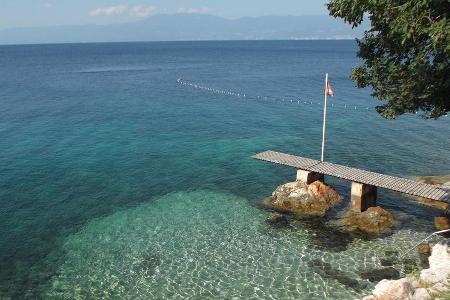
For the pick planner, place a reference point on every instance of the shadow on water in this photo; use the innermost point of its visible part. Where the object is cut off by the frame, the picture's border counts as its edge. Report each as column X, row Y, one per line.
column 325, row 236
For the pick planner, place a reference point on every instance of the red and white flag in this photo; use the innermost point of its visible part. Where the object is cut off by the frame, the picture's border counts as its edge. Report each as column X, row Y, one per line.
column 329, row 90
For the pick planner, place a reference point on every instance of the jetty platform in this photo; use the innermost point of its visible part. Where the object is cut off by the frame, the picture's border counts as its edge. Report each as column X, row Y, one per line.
column 364, row 183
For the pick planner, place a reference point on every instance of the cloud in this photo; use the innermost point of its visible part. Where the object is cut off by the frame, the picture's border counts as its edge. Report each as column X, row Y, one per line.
column 109, row 11
column 201, row 10
column 133, row 11
column 142, row 11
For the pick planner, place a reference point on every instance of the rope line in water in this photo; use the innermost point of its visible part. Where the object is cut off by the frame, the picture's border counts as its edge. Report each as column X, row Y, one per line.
column 229, row 93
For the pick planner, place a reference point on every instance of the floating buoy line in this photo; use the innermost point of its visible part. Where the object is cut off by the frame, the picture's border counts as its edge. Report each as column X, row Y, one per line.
column 235, row 94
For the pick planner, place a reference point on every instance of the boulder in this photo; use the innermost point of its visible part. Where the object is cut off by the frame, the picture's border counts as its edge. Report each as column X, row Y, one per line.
column 394, row 289
column 442, row 223
column 421, row 294
column 439, row 261
column 301, row 199
column 439, row 288
column 373, row 220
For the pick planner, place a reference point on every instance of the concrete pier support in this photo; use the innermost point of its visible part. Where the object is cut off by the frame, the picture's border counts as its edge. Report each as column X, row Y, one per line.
column 363, row 196
column 309, row 177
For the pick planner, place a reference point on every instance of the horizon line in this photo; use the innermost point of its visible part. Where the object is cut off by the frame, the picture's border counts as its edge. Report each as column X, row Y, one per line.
column 183, row 41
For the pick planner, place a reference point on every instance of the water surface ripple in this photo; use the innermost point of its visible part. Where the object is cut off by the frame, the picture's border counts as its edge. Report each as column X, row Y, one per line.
column 117, row 182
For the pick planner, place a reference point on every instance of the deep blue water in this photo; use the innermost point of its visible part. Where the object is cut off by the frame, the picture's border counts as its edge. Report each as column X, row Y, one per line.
column 93, row 133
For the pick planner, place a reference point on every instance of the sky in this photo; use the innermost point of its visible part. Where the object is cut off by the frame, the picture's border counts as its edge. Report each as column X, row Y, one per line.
column 32, row 13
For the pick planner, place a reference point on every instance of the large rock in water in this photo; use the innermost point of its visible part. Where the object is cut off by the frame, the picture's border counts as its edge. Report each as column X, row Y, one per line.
column 373, row 220
column 301, row 199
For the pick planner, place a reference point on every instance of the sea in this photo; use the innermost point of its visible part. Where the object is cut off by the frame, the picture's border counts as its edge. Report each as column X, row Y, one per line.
column 126, row 171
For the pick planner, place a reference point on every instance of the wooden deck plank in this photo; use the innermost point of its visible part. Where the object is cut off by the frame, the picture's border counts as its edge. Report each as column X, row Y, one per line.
column 410, row 186
column 421, row 189
column 436, row 194
column 389, row 182
column 286, row 159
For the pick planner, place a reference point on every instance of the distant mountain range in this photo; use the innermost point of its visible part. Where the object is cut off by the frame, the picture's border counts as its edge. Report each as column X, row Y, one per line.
column 188, row 27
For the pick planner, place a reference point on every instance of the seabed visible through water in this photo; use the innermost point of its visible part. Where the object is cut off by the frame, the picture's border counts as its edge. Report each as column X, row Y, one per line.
column 204, row 244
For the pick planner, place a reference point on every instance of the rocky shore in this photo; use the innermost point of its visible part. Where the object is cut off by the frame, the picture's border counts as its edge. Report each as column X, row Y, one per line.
column 430, row 284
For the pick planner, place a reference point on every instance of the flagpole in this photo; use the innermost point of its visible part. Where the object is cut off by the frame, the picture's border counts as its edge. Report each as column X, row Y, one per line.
column 324, row 117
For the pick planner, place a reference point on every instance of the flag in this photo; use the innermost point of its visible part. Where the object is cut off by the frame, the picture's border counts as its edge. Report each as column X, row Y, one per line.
column 329, row 90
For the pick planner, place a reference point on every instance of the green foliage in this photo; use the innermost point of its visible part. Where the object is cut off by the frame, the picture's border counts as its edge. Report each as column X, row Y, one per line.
column 405, row 53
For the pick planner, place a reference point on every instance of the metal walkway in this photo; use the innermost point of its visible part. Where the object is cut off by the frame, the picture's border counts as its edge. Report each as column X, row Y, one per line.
column 397, row 184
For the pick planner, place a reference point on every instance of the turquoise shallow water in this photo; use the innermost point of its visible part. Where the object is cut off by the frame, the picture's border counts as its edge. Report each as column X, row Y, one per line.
column 194, row 245
column 110, row 168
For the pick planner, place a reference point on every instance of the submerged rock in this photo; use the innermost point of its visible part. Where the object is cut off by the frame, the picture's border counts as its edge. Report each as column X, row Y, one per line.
column 299, row 198
column 327, row 271
column 373, row 220
column 325, row 236
column 277, row 220
column 443, row 181
column 380, row 274
column 387, row 262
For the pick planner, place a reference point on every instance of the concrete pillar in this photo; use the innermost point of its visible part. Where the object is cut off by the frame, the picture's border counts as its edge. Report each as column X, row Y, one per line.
column 363, row 196
column 308, row 177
